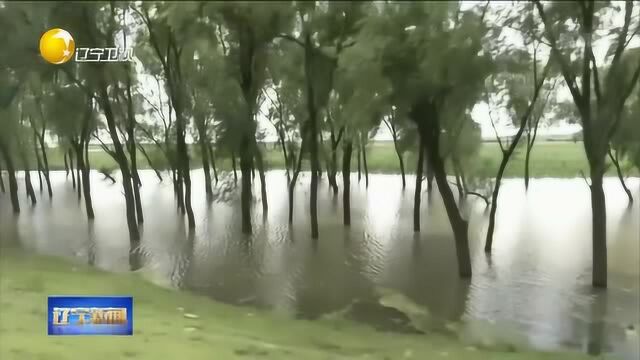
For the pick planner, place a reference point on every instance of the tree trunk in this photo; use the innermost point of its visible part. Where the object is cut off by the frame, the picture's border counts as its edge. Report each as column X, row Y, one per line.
column 38, row 161
column 13, row 184
column 616, row 162
column 86, row 186
column 78, row 175
column 430, row 176
column 212, row 158
column 284, row 153
column 2, row 189
column 233, row 164
column 86, row 181
column 66, row 164
column 246, row 164
column 263, row 183
column 146, row 156
column 599, row 226
column 400, row 161
column 121, row 159
column 73, row 174
column 346, row 182
column 527, row 158
column 366, row 168
column 294, row 179
column 45, row 160
column 332, row 168
column 204, row 151
column 359, row 156
column 27, row 178
column 417, row 196
column 427, row 117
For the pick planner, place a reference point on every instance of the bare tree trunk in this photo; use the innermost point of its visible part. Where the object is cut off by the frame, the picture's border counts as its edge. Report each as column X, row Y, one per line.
column 78, row 175
column 418, row 190
column 45, row 161
column 332, row 168
column 27, row 178
column 121, row 159
column 13, row 184
column 616, row 162
column 38, row 160
column 527, row 158
column 86, row 181
column 263, row 184
column 283, row 147
column 2, row 189
column 204, row 151
column 212, row 157
column 359, row 156
column 426, row 116
column 83, row 167
column 233, row 164
column 144, row 153
column 246, row 164
column 66, row 164
column 294, row 180
column 366, row 168
column 71, row 169
column 346, row 182
column 599, row 229
column 400, row 161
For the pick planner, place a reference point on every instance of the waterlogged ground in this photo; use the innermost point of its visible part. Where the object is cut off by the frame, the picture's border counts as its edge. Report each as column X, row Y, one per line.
column 533, row 291
column 177, row 325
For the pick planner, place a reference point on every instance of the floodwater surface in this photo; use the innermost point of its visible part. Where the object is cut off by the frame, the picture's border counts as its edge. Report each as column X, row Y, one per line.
column 535, row 286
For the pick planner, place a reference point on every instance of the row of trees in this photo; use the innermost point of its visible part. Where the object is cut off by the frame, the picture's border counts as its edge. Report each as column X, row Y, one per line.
column 326, row 75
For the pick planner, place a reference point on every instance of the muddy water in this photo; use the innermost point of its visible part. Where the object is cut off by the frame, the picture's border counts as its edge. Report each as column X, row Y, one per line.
column 535, row 286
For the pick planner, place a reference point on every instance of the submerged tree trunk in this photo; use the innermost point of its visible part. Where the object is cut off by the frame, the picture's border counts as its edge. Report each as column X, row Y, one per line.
column 38, row 161
column 121, row 159
column 346, row 182
column 400, row 162
column 527, row 158
column 2, row 189
column 27, row 178
column 204, row 152
column 66, row 164
column 616, row 163
column 45, row 161
column 599, row 226
column 417, row 196
column 294, row 179
column 366, row 168
column 131, row 145
column 246, row 164
column 263, row 182
column 71, row 169
column 144, row 153
column 212, row 158
column 78, row 176
column 233, row 164
column 86, row 181
column 427, row 117
column 83, row 169
column 359, row 156
column 13, row 184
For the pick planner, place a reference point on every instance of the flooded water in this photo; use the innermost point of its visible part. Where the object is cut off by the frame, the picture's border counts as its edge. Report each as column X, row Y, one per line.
column 536, row 284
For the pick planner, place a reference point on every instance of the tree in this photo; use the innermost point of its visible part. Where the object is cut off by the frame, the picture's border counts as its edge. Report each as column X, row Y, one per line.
column 599, row 100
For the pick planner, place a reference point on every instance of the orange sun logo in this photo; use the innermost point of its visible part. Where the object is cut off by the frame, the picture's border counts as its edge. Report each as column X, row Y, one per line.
column 57, row 46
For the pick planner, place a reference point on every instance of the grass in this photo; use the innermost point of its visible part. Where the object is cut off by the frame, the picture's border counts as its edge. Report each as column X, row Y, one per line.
column 220, row 331
column 548, row 159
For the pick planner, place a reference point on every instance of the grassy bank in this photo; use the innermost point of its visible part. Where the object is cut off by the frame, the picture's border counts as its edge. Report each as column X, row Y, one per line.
column 548, row 159
column 162, row 331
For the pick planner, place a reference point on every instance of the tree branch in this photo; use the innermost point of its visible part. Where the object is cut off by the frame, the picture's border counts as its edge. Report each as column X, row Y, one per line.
column 622, row 39
column 290, row 38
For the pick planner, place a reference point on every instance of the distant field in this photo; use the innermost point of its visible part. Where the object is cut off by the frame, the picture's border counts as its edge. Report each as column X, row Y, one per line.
column 548, row 159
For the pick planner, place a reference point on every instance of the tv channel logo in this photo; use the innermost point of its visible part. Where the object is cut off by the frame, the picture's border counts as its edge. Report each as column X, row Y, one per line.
column 57, row 46
column 90, row 315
